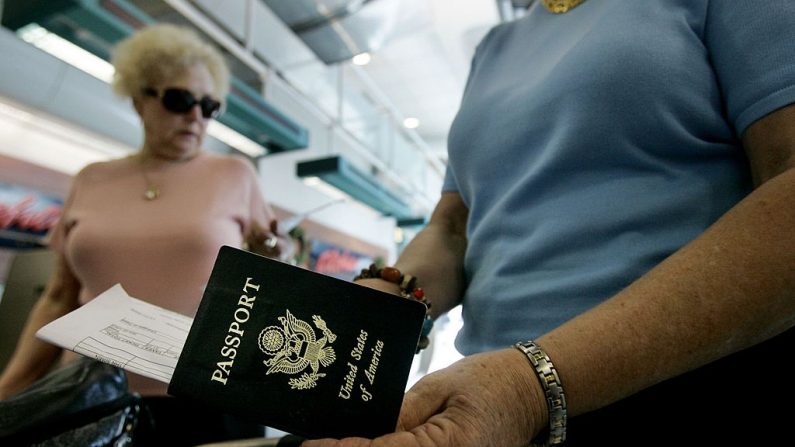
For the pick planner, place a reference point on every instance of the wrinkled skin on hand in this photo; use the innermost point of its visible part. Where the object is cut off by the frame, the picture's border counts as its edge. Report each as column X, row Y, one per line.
column 489, row 399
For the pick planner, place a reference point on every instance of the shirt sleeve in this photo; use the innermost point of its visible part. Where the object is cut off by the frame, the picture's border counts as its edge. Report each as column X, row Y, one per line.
column 752, row 47
column 450, row 184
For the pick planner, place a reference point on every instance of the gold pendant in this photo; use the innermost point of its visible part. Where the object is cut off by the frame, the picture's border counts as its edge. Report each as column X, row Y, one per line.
column 561, row 6
column 152, row 192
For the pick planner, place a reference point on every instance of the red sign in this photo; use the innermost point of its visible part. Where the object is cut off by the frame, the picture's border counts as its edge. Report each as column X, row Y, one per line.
column 26, row 212
column 336, row 261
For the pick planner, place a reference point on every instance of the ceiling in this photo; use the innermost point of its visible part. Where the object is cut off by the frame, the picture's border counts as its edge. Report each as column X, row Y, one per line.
column 421, row 55
column 424, row 72
column 420, row 61
column 418, row 68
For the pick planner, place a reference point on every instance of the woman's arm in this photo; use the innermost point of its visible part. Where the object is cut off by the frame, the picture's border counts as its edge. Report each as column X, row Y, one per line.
column 436, row 256
column 33, row 358
column 732, row 287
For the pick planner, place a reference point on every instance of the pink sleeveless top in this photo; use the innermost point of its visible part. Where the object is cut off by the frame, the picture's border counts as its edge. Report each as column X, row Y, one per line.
column 161, row 251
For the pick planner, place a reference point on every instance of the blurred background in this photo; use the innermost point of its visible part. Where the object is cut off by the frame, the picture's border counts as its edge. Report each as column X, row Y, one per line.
column 338, row 102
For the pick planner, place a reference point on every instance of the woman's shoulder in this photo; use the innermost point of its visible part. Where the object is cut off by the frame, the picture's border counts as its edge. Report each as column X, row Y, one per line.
column 233, row 164
column 100, row 170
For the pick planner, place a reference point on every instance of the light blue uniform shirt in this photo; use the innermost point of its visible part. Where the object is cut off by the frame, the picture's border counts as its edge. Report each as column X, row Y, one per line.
column 591, row 145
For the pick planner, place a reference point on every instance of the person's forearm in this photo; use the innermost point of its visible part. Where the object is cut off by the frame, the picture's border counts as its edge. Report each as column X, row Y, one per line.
column 732, row 287
column 436, row 257
column 33, row 357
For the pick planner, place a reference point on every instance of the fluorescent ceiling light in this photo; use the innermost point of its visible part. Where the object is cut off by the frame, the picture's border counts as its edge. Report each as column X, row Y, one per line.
column 67, row 51
column 337, row 195
column 341, row 175
column 325, row 188
column 41, row 139
column 361, row 59
column 398, row 235
column 103, row 70
column 235, row 139
column 411, row 123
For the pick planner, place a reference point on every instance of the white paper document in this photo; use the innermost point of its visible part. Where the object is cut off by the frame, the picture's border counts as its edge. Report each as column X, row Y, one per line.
column 124, row 331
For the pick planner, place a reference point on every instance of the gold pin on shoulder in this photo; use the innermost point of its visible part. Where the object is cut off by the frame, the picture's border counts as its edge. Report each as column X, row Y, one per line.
column 561, row 6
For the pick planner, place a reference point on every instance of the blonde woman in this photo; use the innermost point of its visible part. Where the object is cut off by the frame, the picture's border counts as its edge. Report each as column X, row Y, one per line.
column 155, row 220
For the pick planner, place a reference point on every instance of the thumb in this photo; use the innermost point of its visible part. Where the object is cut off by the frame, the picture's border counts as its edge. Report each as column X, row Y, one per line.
column 420, row 403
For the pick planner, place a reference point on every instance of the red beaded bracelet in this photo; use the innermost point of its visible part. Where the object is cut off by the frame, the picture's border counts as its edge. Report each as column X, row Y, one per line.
column 408, row 289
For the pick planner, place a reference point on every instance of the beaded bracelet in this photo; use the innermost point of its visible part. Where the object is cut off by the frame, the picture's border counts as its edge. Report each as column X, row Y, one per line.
column 553, row 392
column 408, row 289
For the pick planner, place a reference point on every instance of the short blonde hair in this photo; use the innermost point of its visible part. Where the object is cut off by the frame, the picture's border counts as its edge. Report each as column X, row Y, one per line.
column 161, row 52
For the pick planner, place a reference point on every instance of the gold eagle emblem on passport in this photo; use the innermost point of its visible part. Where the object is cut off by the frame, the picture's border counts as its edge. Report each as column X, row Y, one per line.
column 293, row 346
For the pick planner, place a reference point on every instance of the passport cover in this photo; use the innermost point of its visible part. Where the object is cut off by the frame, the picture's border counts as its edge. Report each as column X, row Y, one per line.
column 299, row 351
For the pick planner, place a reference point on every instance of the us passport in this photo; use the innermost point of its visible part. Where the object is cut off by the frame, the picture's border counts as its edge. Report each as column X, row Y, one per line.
column 299, row 351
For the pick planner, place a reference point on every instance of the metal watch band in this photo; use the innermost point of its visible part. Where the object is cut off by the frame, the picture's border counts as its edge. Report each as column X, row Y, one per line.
column 553, row 391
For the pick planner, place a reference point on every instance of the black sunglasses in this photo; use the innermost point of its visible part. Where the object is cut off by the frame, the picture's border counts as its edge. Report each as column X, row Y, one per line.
column 179, row 100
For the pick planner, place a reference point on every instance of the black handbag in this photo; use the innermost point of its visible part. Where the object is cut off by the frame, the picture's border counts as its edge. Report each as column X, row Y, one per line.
column 85, row 403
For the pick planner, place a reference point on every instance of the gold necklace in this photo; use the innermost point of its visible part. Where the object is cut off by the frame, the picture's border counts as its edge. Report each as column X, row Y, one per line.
column 152, row 191
column 561, row 6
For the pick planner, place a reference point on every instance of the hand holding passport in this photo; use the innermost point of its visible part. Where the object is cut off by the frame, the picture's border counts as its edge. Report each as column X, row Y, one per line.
column 296, row 350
